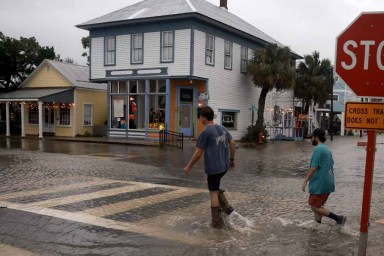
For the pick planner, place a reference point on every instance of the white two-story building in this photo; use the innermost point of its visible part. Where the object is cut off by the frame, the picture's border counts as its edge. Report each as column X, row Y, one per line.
column 164, row 59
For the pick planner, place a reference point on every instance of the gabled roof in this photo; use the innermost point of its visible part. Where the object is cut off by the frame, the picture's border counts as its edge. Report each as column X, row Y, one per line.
column 161, row 8
column 76, row 75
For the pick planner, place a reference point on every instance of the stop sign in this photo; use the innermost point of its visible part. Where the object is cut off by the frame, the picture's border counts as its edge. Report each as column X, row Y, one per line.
column 360, row 55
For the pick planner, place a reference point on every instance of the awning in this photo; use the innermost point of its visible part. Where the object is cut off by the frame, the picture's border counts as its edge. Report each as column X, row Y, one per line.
column 61, row 95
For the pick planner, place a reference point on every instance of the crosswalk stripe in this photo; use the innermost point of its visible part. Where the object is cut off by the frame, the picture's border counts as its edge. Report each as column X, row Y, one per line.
column 55, row 189
column 112, row 209
column 14, row 251
column 88, row 196
column 82, row 217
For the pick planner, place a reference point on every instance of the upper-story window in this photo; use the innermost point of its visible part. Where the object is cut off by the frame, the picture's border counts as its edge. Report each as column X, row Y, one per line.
column 228, row 49
column 110, row 50
column 244, row 59
column 209, row 50
column 137, row 48
column 167, row 46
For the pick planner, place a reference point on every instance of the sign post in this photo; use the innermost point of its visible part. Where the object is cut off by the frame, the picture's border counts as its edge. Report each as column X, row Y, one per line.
column 360, row 63
column 366, row 207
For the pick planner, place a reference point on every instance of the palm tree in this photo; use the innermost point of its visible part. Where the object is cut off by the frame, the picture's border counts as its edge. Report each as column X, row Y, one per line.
column 314, row 80
column 271, row 68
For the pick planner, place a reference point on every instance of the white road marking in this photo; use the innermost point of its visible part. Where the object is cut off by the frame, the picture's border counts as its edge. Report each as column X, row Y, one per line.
column 144, row 229
column 14, row 251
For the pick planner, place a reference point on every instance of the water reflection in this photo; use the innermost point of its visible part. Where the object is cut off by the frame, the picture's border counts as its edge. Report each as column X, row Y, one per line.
column 265, row 188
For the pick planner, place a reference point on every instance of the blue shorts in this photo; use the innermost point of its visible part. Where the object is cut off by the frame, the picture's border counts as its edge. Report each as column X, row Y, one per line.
column 214, row 181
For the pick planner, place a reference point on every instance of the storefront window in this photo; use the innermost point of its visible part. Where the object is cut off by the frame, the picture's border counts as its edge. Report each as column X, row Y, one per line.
column 157, row 100
column 128, row 104
column 136, row 111
column 118, row 87
column 118, row 110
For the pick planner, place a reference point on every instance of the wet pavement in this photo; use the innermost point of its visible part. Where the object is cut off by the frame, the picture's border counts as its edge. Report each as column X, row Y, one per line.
column 76, row 198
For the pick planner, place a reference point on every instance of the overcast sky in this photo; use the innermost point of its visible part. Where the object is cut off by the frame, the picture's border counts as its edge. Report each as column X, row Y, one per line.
column 303, row 25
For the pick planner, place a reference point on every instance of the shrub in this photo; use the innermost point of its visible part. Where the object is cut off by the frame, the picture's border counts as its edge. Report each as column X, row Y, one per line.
column 253, row 134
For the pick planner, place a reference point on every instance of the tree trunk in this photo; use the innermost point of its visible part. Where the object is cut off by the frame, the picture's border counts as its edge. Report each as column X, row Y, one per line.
column 260, row 111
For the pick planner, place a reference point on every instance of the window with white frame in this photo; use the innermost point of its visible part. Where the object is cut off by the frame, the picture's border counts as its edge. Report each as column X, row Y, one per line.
column 65, row 116
column 167, row 46
column 229, row 119
column 137, row 48
column 88, row 115
column 244, row 59
column 335, row 97
column 33, row 116
column 209, row 49
column 228, row 49
column 110, row 50
column 288, row 119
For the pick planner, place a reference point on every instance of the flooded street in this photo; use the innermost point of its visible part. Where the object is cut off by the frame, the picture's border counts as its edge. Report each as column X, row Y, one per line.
column 68, row 198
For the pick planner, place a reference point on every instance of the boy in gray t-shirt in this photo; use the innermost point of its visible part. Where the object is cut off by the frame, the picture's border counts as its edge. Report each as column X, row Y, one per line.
column 219, row 152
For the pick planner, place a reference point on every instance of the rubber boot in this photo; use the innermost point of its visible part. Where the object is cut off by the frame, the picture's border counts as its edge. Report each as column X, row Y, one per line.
column 217, row 219
column 227, row 208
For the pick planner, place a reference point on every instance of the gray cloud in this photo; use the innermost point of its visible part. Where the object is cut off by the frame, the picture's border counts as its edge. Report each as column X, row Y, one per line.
column 304, row 25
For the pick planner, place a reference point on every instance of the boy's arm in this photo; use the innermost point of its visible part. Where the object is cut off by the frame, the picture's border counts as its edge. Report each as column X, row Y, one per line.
column 312, row 170
column 196, row 156
column 232, row 148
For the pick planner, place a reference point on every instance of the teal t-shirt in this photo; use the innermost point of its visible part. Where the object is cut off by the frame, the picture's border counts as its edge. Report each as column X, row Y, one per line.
column 323, row 180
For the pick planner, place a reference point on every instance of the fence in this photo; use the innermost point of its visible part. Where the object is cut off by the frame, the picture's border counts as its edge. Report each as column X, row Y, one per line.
column 290, row 133
column 170, row 138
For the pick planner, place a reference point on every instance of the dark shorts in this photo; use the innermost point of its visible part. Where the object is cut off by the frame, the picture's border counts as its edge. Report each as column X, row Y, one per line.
column 317, row 201
column 214, row 181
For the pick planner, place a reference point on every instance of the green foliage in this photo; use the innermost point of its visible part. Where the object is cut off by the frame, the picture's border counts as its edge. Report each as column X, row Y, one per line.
column 253, row 132
column 85, row 41
column 271, row 68
column 19, row 58
column 314, row 80
column 87, row 134
column 350, row 133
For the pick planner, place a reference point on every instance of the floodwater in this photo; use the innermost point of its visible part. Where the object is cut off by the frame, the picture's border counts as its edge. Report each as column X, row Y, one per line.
column 271, row 217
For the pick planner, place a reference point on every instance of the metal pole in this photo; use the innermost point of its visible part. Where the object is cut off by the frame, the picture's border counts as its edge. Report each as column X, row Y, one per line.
column 366, row 206
column 361, row 132
column 331, row 121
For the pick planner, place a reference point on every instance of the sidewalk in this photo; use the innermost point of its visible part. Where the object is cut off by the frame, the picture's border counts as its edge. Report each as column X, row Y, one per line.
column 102, row 140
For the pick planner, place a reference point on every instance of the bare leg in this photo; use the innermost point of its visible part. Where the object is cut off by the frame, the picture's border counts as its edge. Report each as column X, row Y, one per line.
column 214, row 198
column 321, row 211
column 318, row 217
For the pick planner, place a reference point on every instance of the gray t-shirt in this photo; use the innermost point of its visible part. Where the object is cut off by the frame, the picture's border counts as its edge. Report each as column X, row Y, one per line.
column 214, row 140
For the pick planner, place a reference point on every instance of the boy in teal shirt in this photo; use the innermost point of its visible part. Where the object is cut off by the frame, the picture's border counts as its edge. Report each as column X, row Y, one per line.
column 321, row 179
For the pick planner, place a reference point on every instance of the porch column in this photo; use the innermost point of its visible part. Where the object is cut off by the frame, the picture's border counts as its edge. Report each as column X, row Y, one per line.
column 342, row 130
column 22, row 107
column 168, row 105
column 40, row 120
column 8, row 124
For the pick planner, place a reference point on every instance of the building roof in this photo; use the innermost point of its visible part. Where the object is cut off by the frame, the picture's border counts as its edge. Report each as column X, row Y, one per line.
column 64, row 95
column 77, row 75
column 161, row 8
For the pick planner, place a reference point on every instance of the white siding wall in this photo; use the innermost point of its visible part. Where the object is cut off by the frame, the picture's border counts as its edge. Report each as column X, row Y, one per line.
column 230, row 89
column 180, row 66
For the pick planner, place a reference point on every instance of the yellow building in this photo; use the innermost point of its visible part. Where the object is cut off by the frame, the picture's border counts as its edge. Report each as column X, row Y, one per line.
column 58, row 99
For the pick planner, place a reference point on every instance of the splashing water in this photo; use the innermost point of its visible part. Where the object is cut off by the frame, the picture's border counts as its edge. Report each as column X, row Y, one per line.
column 239, row 223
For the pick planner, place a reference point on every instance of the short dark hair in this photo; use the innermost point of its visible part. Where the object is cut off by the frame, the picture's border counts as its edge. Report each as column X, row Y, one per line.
column 206, row 112
column 319, row 133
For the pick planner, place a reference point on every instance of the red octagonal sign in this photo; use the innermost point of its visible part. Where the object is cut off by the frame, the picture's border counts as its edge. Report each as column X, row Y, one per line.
column 360, row 55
